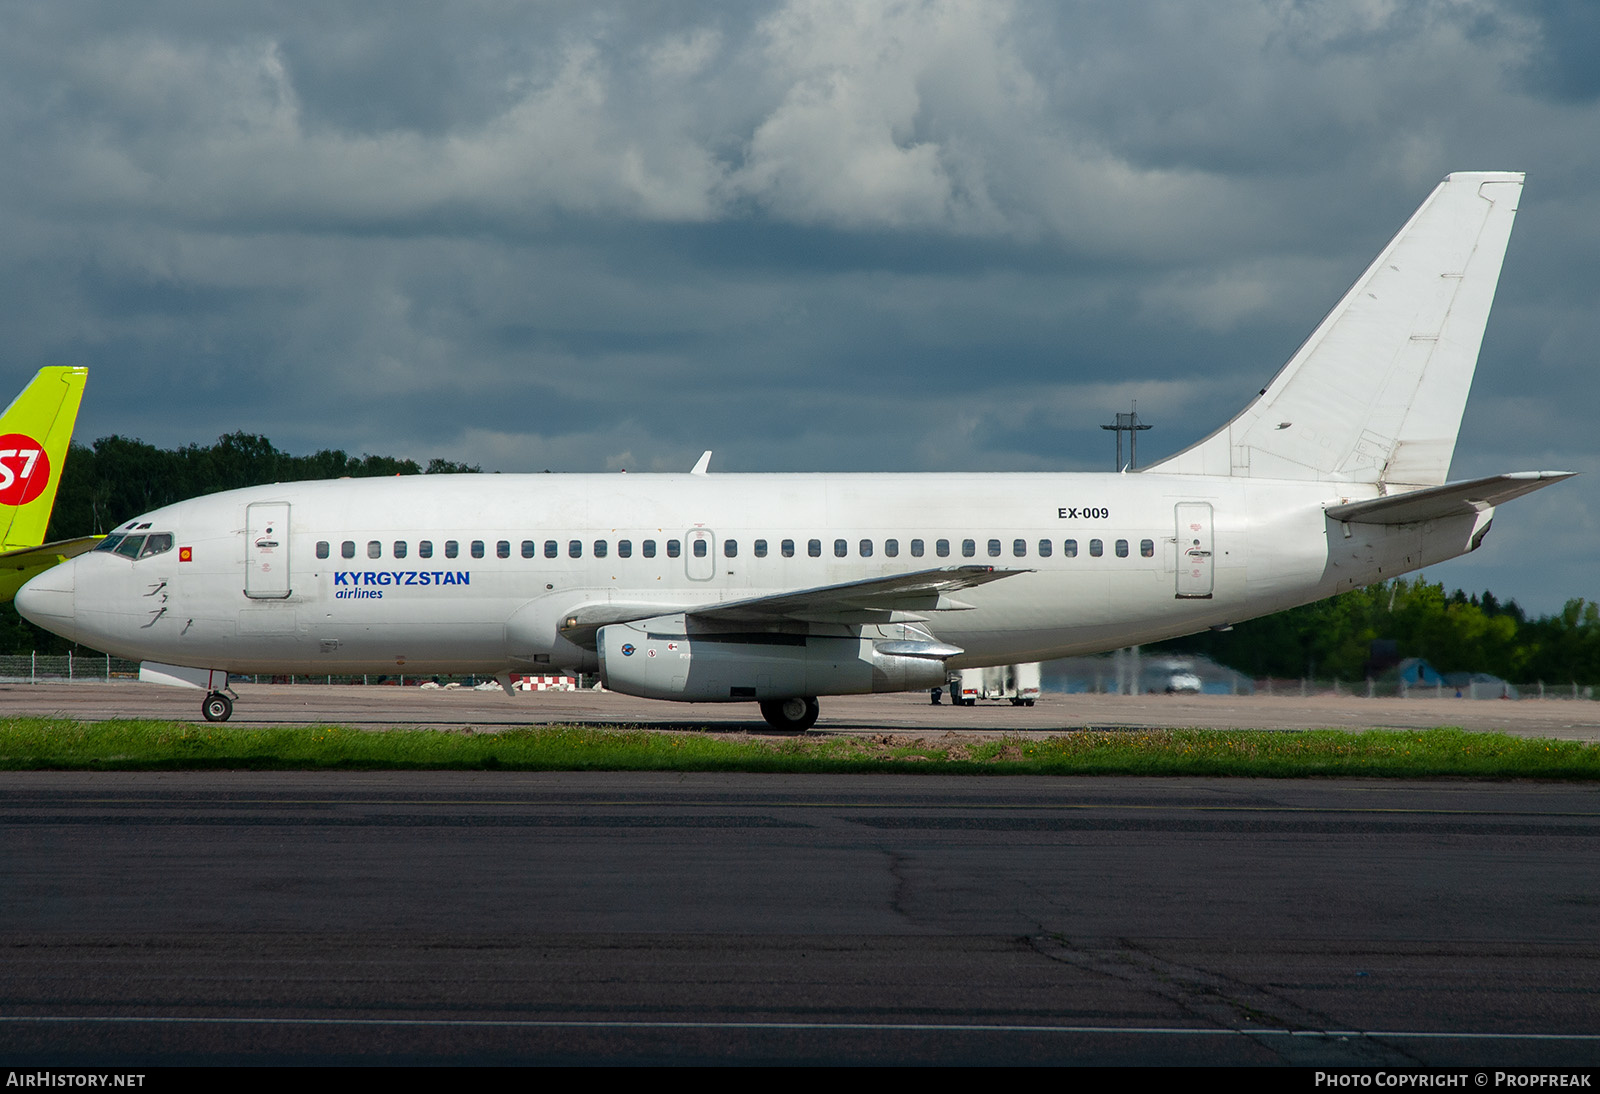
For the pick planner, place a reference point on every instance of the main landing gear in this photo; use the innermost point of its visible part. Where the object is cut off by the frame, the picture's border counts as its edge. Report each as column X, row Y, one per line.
column 791, row 715
column 217, row 707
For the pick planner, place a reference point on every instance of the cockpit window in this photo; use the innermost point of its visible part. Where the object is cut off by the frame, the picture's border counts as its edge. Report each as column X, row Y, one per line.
column 136, row 547
column 156, row 543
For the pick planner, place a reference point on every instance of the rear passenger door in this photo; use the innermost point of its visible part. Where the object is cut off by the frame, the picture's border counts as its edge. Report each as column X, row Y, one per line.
column 1196, row 560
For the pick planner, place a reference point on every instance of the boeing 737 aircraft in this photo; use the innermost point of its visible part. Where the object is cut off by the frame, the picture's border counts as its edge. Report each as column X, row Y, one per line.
column 35, row 433
column 778, row 588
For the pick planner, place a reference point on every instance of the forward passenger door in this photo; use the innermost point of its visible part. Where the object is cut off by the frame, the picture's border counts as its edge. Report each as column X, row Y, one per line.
column 266, row 551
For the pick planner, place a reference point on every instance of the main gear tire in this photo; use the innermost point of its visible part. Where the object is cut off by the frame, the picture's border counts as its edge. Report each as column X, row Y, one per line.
column 794, row 715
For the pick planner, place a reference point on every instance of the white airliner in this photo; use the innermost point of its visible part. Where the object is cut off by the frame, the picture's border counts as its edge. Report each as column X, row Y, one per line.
column 778, row 588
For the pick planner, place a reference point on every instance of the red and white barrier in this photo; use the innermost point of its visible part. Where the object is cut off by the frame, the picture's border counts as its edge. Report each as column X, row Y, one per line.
column 545, row 683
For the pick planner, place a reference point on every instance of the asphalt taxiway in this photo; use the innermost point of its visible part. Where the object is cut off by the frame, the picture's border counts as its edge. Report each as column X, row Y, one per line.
column 420, row 918
column 635, row 918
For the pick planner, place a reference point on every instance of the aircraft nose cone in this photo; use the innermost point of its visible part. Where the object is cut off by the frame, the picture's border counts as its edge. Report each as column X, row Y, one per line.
column 49, row 600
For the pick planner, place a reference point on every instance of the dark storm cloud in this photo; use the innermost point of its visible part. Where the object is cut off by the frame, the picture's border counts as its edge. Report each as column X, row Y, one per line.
column 1562, row 64
column 925, row 234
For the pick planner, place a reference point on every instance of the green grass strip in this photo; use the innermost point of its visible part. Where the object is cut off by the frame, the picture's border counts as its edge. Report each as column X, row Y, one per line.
column 40, row 744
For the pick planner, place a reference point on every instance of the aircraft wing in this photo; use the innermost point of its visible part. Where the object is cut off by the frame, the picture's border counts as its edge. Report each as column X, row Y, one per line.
column 21, row 564
column 898, row 598
column 1451, row 499
column 60, row 551
column 864, row 601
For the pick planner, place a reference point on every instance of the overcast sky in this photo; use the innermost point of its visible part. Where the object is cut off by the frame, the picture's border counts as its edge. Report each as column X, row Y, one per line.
column 815, row 235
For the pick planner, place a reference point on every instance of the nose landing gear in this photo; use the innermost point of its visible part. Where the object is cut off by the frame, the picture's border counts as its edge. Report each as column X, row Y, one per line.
column 217, row 707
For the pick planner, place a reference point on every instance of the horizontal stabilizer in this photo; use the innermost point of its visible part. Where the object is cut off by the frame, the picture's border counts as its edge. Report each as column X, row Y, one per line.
column 1449, row 500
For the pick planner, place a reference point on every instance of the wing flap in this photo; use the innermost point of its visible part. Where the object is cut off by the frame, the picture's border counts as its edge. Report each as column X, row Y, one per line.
column 868, row 600
column 900, row 598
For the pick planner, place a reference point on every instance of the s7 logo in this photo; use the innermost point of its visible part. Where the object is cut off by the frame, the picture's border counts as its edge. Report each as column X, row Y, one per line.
column 24, row 469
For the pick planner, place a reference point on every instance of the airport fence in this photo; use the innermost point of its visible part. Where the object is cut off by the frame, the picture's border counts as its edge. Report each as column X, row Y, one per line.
column 35, row 668
column 82, row 667
column 1486, row 687
column 1308, row 687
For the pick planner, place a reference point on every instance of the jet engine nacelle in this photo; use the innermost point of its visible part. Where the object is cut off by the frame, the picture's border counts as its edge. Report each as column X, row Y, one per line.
column 662, row 659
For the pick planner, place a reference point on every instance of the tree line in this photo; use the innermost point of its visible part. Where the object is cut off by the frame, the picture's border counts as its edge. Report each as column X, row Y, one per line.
column 1364, row 632
column 116, row 478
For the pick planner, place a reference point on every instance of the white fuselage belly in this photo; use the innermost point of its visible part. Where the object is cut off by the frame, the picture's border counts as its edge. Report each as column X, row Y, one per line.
column 1270, row 543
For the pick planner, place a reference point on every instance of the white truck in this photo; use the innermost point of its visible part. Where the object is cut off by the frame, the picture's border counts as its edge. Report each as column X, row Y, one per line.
column 1019, row 683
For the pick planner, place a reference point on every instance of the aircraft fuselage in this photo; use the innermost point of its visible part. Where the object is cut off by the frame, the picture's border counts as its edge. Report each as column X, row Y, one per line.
column 454, row 574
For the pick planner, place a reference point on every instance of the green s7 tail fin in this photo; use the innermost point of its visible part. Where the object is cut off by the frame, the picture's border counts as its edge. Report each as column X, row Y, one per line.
column 35, row 432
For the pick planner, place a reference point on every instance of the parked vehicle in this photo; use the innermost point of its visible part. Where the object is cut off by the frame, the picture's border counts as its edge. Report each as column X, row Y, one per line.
column 1018, row 683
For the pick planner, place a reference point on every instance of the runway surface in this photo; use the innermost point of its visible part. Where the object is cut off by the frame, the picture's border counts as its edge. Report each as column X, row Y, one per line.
column 382, row 707
column 572, row 918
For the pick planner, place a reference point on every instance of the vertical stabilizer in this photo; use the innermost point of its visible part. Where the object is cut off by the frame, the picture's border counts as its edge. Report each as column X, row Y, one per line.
column 35, row 432
column 1377, row 392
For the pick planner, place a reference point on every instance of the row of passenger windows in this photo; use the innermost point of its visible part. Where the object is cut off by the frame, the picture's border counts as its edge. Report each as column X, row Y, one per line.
column 700, row 548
